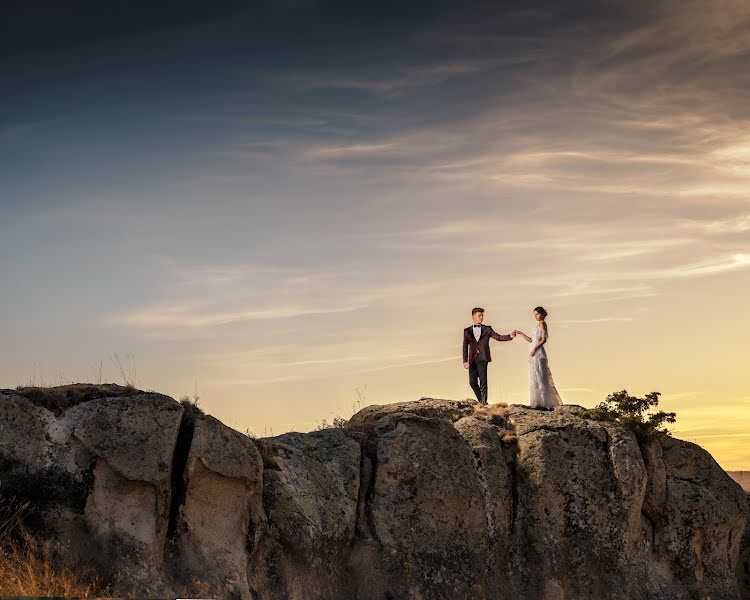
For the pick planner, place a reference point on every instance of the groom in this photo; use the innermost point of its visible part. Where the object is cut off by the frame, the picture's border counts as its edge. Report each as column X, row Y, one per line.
column 477, row 352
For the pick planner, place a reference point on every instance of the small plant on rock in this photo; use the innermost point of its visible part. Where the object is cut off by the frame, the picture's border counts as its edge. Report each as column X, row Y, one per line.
column 631, row 412
column 336, row 423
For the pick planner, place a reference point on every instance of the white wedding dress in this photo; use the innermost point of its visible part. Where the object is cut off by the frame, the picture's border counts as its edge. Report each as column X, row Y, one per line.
column 543, row 391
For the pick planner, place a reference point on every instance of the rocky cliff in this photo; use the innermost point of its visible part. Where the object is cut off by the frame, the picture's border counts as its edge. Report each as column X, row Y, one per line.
column 432, row 499
column 743, row 565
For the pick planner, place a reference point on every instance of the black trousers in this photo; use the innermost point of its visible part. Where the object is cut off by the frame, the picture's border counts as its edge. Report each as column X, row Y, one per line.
column 478, row 379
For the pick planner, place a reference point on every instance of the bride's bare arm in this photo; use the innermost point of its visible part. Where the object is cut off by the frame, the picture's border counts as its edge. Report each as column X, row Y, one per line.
column 523, row 335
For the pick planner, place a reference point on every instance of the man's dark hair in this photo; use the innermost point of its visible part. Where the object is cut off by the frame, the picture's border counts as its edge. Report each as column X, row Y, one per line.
column 476, row 310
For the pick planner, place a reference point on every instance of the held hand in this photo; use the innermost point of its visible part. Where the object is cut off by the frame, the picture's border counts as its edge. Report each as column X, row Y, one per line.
column 466, row 365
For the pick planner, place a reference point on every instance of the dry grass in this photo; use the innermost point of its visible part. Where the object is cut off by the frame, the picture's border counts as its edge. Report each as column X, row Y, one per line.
column 29, row 568
column 494, row 413
column 509, row 438
column 12, row 511
column 202, row 589
column 32, row 567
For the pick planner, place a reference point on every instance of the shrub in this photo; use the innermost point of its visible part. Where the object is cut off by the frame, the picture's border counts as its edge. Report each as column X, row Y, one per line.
column 630, row 412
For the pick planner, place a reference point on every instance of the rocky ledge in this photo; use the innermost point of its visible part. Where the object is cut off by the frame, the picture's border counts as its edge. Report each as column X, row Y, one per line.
column 433, row 499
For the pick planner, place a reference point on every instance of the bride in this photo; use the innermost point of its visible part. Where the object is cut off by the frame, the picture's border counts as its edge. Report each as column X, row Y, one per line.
column 543, row 392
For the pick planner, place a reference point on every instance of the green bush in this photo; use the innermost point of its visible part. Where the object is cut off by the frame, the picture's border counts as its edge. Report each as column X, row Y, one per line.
column 630, row 411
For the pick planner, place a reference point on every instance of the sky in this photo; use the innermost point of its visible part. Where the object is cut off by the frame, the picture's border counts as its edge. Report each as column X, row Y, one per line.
column 290, row 207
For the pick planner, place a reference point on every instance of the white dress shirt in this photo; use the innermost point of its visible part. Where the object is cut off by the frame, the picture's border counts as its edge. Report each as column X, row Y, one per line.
column 477, row 331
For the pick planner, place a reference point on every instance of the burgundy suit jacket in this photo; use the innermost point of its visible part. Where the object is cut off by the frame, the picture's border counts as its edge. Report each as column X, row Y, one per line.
column 480, row 350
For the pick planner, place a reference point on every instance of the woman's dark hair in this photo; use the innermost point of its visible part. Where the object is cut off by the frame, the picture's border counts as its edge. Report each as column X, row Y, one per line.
column 541, row 311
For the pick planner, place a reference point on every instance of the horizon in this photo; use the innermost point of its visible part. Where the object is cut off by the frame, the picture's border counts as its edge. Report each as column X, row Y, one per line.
column 292, row 207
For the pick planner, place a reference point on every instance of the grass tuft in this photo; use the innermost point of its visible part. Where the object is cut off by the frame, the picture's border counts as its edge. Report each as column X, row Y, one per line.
column 32, row 568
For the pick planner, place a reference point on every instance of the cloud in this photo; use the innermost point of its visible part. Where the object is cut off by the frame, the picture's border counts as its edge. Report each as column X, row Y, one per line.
column 621, row 118
column 739, row 224
column 299, row 374
column 403, row 78
column 237, row 294
column 707, row 267
column 349, row 150
column 597, row 320
column 674, row 52
column 188, row 315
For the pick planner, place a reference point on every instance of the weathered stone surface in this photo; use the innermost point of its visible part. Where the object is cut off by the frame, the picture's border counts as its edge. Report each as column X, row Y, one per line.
column 131, row 443
column 493, row 462
column 448, row 410
column 23, row 430
column 310, row 492
column 428, row 510
column 743, row 564
column 704, row 518
column 569, row 525
column 428, row 499
column 99, row 471
column 220, row 514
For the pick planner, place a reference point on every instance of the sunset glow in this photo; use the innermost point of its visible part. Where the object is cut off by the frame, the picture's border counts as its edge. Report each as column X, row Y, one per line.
column 296, row 209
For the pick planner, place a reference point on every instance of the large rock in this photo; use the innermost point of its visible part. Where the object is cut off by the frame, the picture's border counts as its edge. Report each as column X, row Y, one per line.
column 493, row 462
column 703, row 520
column 427, row 499
column 220, row 513
column 99, row 471
column 743, row 564
column 579, row 490
column 310, row 493
column 448, row 410
column 427, row 510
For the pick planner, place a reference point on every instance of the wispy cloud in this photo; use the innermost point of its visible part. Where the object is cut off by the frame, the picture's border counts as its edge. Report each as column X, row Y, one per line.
column 186, row 315
column 404, row 78
column 308, row 375
column 734, row 225
column 596, row 320
column 714, row 266
column 350, row 150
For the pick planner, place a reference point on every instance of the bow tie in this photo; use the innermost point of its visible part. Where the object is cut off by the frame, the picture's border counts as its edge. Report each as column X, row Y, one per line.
column 477, row 325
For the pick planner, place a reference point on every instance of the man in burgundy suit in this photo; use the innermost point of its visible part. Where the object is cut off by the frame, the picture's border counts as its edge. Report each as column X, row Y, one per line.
column 477, row 352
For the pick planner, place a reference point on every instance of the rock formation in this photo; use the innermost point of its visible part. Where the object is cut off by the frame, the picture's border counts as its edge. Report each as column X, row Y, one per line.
column 429, row 499
column 743, row 565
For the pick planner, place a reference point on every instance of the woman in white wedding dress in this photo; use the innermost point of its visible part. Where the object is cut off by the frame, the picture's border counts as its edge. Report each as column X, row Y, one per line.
column 543, row 392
